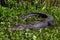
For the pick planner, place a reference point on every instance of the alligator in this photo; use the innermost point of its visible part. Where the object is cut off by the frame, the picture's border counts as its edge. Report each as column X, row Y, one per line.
column 36, row 24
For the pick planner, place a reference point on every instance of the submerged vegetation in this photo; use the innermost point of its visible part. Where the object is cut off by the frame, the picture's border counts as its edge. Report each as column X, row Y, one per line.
column 14, row 8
